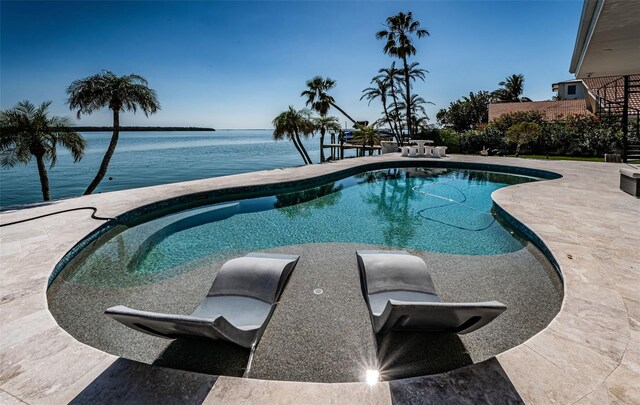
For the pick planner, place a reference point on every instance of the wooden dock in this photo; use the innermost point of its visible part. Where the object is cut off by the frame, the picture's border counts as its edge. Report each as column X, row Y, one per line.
column 337, row 149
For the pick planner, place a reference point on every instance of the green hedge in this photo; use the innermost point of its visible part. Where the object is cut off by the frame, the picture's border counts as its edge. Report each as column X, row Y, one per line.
column 574, row 135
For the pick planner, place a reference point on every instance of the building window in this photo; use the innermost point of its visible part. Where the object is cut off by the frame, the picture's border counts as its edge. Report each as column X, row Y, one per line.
column 571, row 89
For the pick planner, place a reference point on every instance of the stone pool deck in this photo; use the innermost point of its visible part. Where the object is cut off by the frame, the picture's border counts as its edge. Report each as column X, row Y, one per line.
column 590, row 353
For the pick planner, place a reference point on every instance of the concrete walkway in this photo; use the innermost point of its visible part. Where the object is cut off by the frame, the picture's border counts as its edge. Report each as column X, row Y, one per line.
column 590, row 353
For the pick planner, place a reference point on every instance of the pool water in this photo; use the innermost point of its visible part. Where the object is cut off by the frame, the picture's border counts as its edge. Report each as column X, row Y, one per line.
column 429, row 209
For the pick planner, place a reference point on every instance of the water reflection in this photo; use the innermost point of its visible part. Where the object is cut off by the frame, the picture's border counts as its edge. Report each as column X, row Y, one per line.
column 323, row 196
column 389, row 194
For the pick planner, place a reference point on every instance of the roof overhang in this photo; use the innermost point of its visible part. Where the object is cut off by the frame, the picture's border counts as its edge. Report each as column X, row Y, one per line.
column 608, row 41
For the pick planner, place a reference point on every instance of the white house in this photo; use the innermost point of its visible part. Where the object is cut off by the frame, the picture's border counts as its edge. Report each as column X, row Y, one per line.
column 569, row 90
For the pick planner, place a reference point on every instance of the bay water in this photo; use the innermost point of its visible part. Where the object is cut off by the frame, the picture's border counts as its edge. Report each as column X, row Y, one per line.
column 151, row 158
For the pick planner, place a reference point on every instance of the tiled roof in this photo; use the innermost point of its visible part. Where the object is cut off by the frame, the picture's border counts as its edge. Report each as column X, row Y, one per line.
column 595, row 83
column 550, row 109
column 614, row 88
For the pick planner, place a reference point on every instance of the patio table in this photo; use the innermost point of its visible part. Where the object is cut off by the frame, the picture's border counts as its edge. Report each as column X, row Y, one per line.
column 421, row 143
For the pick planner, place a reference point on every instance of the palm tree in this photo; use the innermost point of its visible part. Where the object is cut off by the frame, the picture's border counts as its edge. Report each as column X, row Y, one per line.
column 118, row 93
column 391, row 76
column 28, row 132
column 367, row 134
column 318, row 98
column 325, row 124
column 292, row 124
column 381, row 90
column 400, row 29
column 512, row 89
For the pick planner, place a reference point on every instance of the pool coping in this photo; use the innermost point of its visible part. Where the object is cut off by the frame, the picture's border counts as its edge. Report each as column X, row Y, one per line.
column 589, row 352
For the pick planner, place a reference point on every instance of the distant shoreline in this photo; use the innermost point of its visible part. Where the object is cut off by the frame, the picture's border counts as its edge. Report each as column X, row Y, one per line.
column 133, row 129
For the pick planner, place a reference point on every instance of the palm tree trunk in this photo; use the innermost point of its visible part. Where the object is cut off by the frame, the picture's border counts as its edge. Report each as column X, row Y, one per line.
column 395, row 107
column 107, row 156
column 386, row 114
column 295, row 143
column 306, row 155
column 322, row 146
column 355, row 123
column 407, row 83
column 44, row 178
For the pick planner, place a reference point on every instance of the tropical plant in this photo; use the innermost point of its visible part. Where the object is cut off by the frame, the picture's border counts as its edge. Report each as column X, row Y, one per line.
column 466, row 113
column 324, row 124
column 319, row 99
column 29, row 132
column 391, row 78
column 292, row 124
column 367, row 135
column 399, row 43
column 118, row 93
column 512, row 89
column 381, row 90
column 419, row 118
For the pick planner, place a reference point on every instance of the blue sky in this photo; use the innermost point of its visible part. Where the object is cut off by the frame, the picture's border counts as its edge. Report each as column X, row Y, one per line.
column 238, row 64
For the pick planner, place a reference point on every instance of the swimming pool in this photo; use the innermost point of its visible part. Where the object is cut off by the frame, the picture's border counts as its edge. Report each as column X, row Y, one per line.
column 439, row 210
column 163, row 258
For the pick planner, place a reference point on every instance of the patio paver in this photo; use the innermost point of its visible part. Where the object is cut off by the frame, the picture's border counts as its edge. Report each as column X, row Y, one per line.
column 588, row 354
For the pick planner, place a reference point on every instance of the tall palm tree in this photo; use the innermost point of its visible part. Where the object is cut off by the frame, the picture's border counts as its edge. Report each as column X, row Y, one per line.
column 118, row 93
column 381, row 90
column 292, row 124
column 318, row 98
column 325, row 124
column 392, row 76
column 29, row 132
column 512, row 89
column 399, row 43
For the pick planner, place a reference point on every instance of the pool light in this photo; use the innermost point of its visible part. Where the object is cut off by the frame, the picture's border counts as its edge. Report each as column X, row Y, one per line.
column 373, row 376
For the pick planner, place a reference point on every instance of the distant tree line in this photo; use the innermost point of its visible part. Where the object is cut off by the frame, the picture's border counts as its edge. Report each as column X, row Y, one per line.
column 134, row 129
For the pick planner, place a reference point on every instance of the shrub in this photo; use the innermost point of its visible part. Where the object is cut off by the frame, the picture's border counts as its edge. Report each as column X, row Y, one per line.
column 441, row 137
column 523, row 133
column 506, row 121
column 573, row 135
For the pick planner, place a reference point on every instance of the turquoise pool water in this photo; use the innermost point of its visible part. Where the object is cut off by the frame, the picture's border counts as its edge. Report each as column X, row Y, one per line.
column 430, row 209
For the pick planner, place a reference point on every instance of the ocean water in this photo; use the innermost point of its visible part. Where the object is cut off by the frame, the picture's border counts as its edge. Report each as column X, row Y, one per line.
column 151, row 158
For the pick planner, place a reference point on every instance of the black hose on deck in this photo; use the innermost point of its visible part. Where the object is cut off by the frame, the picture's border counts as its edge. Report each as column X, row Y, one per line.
column 93, row 215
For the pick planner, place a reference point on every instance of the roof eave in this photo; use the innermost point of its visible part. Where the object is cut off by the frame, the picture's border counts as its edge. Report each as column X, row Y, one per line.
column 590, row 12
